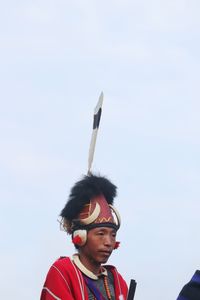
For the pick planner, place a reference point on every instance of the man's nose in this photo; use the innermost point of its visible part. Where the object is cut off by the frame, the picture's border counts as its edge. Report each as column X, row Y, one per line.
column 108, row 240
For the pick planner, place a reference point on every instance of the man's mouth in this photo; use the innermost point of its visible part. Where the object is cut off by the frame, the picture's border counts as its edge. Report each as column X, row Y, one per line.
column 105, row 252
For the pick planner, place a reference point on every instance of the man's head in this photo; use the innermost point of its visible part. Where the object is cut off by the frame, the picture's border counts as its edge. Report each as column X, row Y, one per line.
column 90, row 206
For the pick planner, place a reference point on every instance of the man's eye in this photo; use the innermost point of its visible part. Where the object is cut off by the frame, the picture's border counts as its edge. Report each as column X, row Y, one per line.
column 100, row 233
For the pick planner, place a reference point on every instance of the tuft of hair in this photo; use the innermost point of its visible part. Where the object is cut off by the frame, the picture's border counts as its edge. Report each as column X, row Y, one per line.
column 84, row 190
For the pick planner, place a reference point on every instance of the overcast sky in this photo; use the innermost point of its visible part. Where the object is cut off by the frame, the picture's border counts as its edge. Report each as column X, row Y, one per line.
column 56, row 57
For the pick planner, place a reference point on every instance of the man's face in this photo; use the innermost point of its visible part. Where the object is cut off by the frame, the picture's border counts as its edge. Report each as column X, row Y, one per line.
column 99, row 246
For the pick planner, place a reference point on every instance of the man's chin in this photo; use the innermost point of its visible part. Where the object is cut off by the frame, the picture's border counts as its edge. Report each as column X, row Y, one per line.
column 104, row 260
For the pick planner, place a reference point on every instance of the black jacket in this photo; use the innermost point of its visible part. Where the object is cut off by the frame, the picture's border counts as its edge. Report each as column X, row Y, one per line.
column 191, row 291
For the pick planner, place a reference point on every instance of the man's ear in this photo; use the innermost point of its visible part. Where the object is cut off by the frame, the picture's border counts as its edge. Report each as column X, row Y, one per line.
column 79, row 237
column 117, row 244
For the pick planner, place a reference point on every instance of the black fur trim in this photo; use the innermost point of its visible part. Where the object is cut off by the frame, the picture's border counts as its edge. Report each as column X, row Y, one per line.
column 84, row 190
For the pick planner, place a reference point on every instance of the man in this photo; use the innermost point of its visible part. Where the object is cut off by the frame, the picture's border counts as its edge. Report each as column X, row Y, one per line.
column 191, row 291
column 92, row 221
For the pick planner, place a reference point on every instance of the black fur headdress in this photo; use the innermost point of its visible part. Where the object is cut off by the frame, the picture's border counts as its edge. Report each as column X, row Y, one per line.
column 84, row 190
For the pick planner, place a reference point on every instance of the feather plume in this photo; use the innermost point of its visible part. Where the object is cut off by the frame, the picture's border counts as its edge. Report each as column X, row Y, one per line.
column 96, row 122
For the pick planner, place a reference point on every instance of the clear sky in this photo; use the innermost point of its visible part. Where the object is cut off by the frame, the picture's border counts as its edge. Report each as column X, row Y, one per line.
column 56, row 57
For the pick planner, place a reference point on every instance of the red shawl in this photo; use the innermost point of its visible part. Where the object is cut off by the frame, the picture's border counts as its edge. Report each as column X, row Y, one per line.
column 64, row 281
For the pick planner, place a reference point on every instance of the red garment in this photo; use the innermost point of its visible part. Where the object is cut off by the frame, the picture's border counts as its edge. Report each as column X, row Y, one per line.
column 64, row 281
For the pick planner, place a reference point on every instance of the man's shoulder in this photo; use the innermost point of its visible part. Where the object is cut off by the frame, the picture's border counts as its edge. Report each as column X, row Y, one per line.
column 63, row 263
column 117, row 277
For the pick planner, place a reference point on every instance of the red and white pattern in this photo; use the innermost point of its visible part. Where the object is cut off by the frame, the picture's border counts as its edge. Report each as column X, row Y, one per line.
column 64, row 281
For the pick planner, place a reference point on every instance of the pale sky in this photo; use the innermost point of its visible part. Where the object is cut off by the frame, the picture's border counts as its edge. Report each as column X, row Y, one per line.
column 56, row 57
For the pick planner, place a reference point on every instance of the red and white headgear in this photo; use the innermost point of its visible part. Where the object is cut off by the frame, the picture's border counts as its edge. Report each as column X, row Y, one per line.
column 90, row 205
